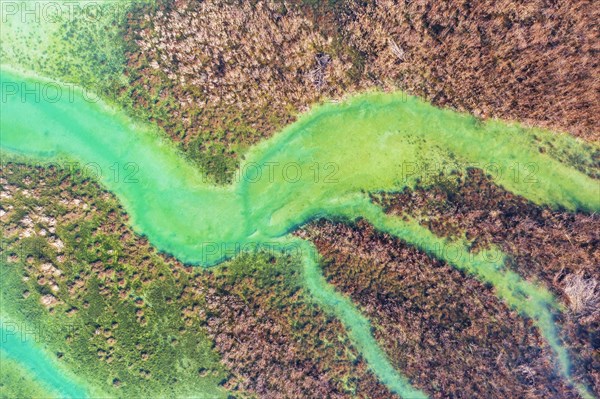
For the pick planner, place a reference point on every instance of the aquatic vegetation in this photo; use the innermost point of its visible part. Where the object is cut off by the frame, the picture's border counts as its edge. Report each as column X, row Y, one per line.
column 125, row 316
column 376, row 142
column 18, row 383
column 319, row 166
column 99, row 299
column 325, row 165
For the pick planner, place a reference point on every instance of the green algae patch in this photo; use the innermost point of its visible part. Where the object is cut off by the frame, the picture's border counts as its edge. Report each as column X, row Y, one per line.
column 79, row 41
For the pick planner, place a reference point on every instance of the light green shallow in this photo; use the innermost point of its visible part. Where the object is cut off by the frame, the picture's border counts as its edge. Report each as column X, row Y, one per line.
column 16, row 382
column 21, row 347
column 365, row 144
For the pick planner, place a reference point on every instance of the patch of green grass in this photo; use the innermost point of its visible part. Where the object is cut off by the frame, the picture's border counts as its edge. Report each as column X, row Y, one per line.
column 96, row 328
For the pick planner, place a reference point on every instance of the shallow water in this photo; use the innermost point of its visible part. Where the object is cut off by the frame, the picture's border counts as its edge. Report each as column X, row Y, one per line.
column 322, row 165
column 23, row 346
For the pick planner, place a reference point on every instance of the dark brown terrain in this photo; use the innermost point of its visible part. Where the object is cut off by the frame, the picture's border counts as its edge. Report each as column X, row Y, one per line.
column 558, row 249
column 446, row 331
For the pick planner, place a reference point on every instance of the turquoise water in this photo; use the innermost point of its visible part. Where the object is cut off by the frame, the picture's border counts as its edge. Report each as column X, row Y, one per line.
column 322, row 165
column 22, row 346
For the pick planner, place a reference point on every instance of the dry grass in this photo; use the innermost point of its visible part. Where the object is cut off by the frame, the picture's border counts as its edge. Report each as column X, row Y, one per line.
column 529, row 61
column 583, row 294
column 532, row 61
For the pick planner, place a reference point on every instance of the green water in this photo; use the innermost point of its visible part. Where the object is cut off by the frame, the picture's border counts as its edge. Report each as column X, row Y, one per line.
column 22, row 347
column 16, row 382
column 322, row 165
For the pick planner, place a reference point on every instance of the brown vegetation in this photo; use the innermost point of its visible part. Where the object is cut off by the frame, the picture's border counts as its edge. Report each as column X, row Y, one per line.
column 558, row 249
column 530, row 61
column 447, row 332
column 583, row 294
column 544, row 244
column 279, row 344
column 233, row 72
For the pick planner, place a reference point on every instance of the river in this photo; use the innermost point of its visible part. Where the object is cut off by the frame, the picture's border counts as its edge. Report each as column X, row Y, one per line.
column 323, row 165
